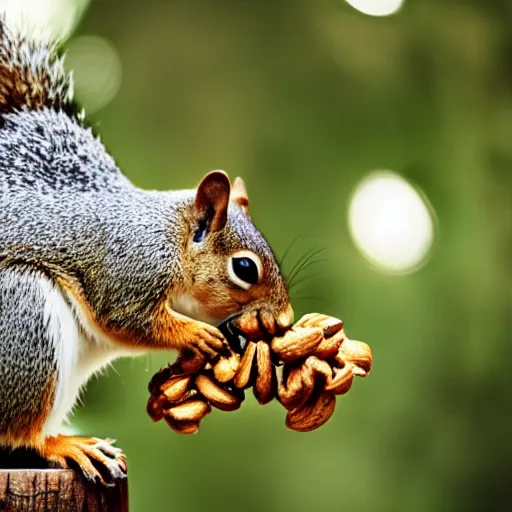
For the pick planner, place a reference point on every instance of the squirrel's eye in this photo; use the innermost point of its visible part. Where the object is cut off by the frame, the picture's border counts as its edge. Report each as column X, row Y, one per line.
column 244, row 269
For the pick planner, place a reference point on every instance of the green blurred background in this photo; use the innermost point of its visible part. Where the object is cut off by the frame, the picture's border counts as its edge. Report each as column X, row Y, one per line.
column 304, row 99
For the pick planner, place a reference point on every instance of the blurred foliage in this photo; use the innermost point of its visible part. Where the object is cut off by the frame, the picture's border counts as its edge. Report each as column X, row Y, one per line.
column 303, row 98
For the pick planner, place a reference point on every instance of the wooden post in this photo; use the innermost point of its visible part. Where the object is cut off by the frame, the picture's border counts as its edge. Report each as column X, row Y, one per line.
column 58, row 490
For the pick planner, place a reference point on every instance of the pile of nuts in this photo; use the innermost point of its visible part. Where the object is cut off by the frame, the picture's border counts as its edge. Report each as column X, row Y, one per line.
column 315, row 359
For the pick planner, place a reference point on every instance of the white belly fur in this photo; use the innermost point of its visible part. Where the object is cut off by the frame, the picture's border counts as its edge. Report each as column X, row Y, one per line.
column 80, row 350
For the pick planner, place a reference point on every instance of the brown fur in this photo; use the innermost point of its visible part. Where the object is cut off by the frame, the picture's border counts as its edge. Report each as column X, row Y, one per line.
column 19, row 88
column 27, row 430
column 170, row 330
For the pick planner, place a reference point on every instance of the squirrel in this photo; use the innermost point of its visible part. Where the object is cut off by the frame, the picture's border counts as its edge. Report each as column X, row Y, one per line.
column 93, row 268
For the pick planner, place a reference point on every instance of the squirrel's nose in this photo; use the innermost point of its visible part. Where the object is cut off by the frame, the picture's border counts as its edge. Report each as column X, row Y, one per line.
column 285, row 319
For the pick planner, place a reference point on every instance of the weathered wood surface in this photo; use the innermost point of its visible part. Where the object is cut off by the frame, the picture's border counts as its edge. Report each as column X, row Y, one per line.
column 58, row 490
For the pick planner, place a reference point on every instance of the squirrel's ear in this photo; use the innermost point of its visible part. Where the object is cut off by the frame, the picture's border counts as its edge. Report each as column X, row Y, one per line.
column 212, row 199
column 239, row 194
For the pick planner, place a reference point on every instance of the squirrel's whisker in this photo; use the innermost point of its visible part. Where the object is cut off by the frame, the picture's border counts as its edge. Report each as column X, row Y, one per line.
column 288, row 249
column 315, row 298
column 304, row 257
column 304, row 264
column 303, row 279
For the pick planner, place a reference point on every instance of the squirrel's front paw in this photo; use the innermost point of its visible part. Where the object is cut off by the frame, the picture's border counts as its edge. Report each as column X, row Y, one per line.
column 208, row 341
column 97, row 458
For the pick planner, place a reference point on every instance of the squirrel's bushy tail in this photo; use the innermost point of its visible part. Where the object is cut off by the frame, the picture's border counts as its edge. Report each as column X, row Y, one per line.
column 32, row 75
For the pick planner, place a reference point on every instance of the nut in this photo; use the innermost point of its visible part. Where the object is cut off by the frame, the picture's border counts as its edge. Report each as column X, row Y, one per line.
column 357, row 353
column 249, row 324
column 328, row 324
column 313, row 414
column 217, row 396
column 193, row 410
column 266, row 382
column 342, row 380
column 297, row 343
column 226, row 367
column 155, row 407
column 160, row 378
column 176, row 388
column 242, row 378
column 183, row 427
column 317, row 369
column 301, row 380
column 291, row 390
column 329, row 346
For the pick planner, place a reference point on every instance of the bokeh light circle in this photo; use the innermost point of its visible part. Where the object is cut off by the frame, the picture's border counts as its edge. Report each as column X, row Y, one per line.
column 43, row 19
column 97, row 71
column 376, row 7
column 390, row 222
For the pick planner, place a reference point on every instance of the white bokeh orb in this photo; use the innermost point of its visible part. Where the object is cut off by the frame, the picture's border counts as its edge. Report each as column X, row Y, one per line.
column 390, row 222
column 43, row 19
column 376, row 7
column 97, row 71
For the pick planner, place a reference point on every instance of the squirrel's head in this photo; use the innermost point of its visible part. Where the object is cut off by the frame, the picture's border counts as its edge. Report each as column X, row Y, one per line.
column 230, row 267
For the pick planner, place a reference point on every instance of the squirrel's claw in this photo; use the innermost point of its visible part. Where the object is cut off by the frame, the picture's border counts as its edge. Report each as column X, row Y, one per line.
column 209, row 342
column 96, row 458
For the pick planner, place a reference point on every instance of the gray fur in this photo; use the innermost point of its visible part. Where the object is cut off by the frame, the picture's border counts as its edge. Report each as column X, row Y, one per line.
column 66, row 208
column 27, row 355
